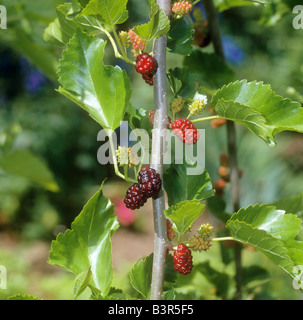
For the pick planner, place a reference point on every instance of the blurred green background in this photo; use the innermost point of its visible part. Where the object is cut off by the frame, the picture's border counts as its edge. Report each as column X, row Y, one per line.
column 60, row 141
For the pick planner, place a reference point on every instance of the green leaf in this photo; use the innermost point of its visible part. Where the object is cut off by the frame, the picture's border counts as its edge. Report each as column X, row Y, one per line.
column 40, row 55
column 81, row 282
column 208, row 70
column 27, row 20
column 183, row 215
column 217, row 206
column 280, row 225
column 180, row 186
column 254, row 276
column 293, row 204
column 103, row 91
column 24, row 164
column 275, row 11
column 87, row 245
column 256, row 106
column 22, row 297
column 273, row 248
column 181, row 82
column 180, row 38
column 141, row 274
column 60, row 30
column 157, row 26
column 114, row 294
column 228, row 4
column 271, row 231
column 221, row 281
column 112, row 11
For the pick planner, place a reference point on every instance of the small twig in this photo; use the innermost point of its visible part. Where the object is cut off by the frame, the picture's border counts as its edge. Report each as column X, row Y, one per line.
column 223, row 239
column 205, row 119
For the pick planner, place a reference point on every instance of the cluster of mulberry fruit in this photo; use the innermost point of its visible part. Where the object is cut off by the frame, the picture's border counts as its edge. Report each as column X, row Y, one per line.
column 149, row 184
column 201, row 242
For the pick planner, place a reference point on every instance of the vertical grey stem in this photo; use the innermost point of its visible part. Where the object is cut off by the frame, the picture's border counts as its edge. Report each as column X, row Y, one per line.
column 160, row 125
column 231, row 137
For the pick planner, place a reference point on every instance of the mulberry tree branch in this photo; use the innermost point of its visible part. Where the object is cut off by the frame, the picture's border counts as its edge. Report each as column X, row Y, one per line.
column 160, row 125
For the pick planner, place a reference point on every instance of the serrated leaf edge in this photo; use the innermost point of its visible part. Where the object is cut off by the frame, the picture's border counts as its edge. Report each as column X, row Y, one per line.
column 279, row 243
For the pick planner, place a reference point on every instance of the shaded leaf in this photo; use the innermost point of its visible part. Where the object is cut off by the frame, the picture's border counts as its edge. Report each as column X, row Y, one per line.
column 221, row 281
column 180, row 186
column 293, row 204
column 180, row 37
column 24, row 164
column 208, row 70
column 181, row 82
column 225, row 5
column 42, row 56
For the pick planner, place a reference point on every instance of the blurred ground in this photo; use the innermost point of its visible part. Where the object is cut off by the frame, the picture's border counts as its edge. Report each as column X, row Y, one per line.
column 28, row 271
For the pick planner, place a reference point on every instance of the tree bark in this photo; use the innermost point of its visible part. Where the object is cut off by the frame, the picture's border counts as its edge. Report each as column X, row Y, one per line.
column 160, row 125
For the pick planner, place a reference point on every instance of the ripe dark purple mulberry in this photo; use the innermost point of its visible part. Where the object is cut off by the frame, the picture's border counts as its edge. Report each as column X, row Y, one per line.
column 149, row 181
column 134, row 198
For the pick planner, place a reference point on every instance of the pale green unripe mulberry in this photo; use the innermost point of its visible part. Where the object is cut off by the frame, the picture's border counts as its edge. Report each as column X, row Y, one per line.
column 200, row 101
column 124, row 38
column 197, row 243
column 206, row 230
column 177, row 105
column 127, row 156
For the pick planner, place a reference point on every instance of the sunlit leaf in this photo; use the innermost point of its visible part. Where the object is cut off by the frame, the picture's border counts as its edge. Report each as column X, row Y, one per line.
column 103, row 91
column 112, row 11
column 141, row 274
column 271, row 231
column 256, row 106
column 184, row 214
column 157, row 26
column 87, row 245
